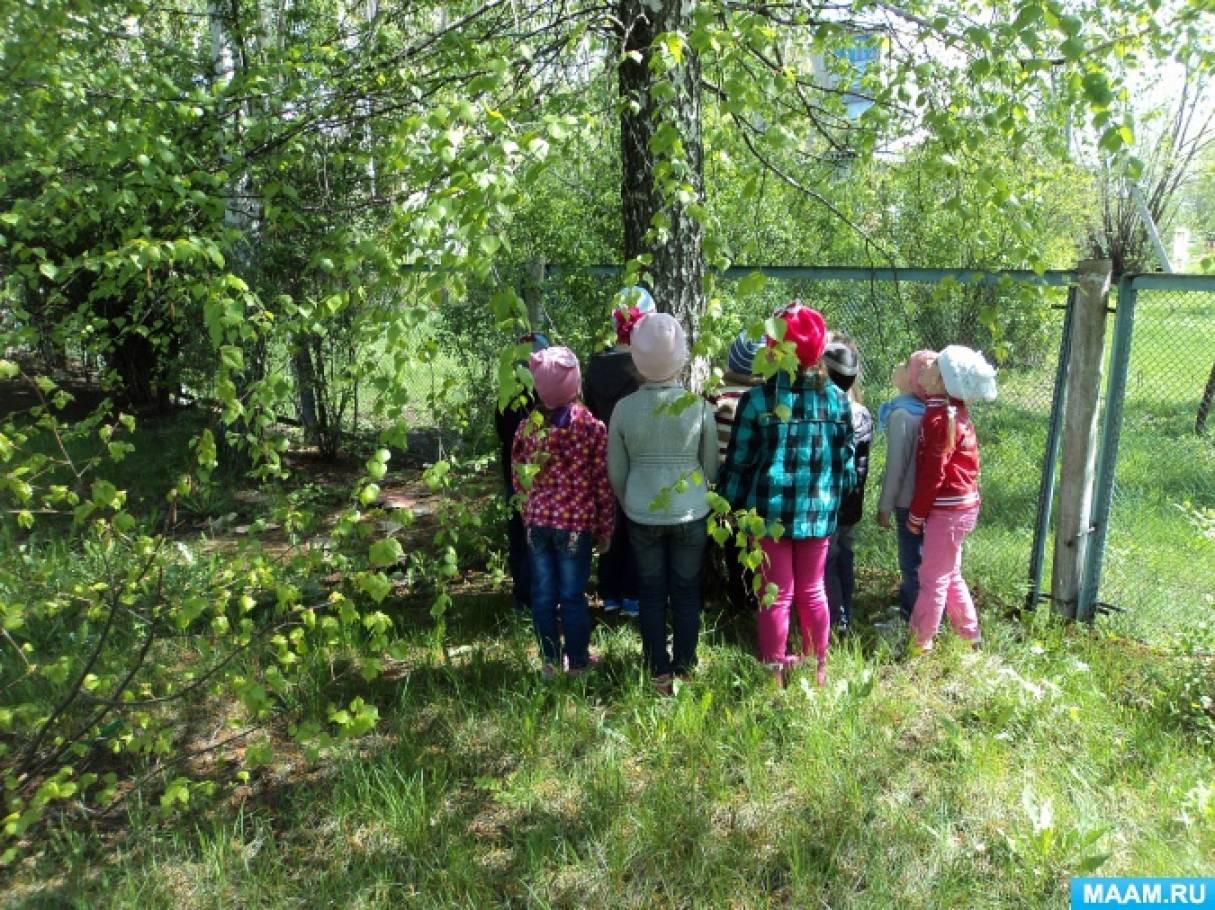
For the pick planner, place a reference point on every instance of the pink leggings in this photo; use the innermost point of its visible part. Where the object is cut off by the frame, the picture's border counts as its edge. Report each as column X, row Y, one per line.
column 796, row 568
column 941, row 584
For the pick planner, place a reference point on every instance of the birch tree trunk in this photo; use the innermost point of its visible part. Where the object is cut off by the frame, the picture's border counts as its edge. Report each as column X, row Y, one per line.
column 662, row 157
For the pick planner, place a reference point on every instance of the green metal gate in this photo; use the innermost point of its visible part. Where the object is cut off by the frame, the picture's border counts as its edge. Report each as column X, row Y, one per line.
column 1151, row 560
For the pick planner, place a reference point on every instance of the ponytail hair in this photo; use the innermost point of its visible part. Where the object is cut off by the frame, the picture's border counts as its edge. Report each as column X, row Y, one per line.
column 953, row 429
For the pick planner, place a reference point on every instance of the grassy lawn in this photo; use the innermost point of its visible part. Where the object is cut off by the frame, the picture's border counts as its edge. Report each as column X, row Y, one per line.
column 966, row 779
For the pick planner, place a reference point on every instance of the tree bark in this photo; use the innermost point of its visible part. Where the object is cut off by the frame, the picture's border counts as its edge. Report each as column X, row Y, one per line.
column 658, row 187
column 305, row 388
column 636, row 125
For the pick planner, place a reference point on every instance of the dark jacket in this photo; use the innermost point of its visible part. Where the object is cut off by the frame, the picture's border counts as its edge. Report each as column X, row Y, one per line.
column 610, row 376
column 507, row 422
column 853, row 505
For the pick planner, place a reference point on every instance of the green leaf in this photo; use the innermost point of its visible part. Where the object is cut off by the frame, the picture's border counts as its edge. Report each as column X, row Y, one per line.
column 752, row 284
column 49, row 270
column 232, row 357
column 1071, row 25
column 1111, row 140
column 375, row 585
column 386, row 552
column 1097, row 88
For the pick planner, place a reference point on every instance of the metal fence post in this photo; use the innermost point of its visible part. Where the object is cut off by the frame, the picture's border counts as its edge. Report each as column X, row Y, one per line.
column 1054, row 435
column 1111, row 434
column 1080, row 433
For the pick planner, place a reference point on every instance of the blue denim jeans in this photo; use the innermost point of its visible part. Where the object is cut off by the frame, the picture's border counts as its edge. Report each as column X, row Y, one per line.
column 839, row 578
column 670, row 563
column 560, row 563
column 910, row 549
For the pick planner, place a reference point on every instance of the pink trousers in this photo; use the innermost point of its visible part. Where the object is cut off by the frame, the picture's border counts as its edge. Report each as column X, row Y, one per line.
column 942, row 587
column 796, row 568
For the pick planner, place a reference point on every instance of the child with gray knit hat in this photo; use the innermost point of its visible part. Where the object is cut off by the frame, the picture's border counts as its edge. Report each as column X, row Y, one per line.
column 661, row 457
column 737, row 380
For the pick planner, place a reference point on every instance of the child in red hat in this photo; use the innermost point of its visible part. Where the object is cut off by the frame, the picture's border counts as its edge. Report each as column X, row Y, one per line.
column 790, row 460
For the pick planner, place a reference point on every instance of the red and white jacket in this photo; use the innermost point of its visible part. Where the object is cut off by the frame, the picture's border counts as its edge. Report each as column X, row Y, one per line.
column 945, row 479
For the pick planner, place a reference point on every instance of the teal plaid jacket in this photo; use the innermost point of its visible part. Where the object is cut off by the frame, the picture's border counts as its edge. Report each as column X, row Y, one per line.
column 794, row 470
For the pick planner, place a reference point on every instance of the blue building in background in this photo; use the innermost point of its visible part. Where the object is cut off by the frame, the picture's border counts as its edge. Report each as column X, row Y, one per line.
column 847, row 69
column 860, row 55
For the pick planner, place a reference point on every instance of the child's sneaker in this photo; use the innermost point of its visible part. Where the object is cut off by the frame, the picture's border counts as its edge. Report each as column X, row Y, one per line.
column 611, row 605
column 631, row 608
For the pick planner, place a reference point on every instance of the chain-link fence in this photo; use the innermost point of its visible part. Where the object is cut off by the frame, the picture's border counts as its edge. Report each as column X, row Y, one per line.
column 1157, row 571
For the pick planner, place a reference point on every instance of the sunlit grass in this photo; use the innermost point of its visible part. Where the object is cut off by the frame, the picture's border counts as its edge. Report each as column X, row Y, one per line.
column 960, row 780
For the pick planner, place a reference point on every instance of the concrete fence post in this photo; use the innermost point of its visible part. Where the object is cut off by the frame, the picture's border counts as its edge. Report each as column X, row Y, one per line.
column 1080, row 435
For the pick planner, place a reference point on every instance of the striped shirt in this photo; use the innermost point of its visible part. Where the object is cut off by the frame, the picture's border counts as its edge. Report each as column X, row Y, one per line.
column 794, row 470
column 725, row 405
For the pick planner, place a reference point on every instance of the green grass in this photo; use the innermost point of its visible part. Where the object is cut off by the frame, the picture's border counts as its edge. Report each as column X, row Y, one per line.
column 978, row 780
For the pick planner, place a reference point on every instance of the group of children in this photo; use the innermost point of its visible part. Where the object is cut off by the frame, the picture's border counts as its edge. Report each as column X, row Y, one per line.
column 625, row 463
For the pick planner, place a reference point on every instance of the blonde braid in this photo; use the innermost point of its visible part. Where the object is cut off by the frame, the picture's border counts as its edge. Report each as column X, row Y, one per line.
column 953, row 430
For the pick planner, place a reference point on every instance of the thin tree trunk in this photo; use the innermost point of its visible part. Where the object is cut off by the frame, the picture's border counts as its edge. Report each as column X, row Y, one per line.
column 305, row 387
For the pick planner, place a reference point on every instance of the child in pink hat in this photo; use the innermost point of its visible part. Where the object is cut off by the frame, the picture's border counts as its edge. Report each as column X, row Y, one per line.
column 560, row 462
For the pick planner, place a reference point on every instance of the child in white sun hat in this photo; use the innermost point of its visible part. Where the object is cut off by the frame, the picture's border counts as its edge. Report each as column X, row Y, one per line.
column 661, row 457
column 945, row 505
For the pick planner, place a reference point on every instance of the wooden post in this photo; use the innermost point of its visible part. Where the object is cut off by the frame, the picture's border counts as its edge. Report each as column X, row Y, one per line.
column 1080, row 433
column 533, row 292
